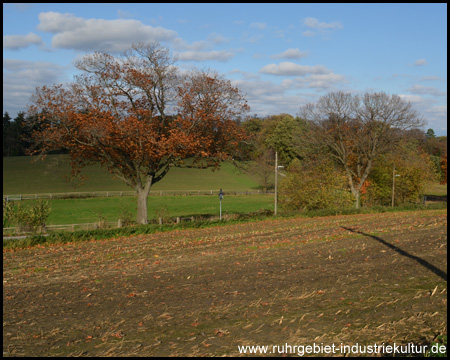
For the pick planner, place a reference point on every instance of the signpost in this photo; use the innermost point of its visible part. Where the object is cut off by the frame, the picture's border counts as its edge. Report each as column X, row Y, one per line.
column 276, row 181
column 220, row 198
column 394, row 175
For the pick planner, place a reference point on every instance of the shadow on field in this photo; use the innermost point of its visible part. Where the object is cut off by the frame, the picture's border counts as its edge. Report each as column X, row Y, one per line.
column 422, row 262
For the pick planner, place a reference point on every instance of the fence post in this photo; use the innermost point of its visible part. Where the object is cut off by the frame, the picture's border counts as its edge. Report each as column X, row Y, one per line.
column 160, row 221
column 119, row 223
column 178, row 219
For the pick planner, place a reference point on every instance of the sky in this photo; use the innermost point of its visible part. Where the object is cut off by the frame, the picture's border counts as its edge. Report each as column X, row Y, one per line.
column 281, row 56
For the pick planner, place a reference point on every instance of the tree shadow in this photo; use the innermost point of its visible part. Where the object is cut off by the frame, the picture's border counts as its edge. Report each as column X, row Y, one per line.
column 422, row 262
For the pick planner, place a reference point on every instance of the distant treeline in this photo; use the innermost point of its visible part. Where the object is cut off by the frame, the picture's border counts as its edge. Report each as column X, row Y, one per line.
column 17, row 140
column 16, row 135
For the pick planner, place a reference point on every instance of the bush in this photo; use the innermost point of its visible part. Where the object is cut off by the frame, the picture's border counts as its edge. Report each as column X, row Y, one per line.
column 413, row 170
column 317, row 185
column 27, row 219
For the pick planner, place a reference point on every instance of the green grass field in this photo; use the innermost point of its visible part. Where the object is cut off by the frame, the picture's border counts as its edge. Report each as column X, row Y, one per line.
column 25, row 175
column 28, row 175
column 90, row 210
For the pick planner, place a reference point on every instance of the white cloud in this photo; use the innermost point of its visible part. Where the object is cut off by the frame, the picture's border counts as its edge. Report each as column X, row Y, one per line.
column 316, row 24
column 290, row 54
column 413, row 99
column 250, row 39
column 434, row 113
column 267, row 98
column 420, row 62
column 16, row 42
column 213, row 39
column 20, row 79
column 221, row 55
column 430, row 78
column 73, row 32
column 437, row 118
column 125, row 14
column 180, row 44
column 292, row 69
column 258, row 25
column 319, row 27
column 309, row 33
column 440, row 110
column 321, row 81
column 217, row 39
column 425, row 90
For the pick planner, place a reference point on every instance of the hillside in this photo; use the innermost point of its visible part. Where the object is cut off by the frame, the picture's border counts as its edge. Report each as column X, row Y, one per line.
column 28, row 175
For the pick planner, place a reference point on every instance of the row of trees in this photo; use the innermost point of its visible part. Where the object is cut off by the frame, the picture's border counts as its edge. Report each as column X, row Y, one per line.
column 348, row 145
column 138, row 114
column 14, row 135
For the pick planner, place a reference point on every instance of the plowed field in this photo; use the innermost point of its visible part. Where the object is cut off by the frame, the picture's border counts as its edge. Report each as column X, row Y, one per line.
column 359, row 279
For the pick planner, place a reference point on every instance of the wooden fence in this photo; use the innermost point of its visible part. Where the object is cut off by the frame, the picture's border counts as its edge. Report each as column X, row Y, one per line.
column 9, row 231
column 73, row 195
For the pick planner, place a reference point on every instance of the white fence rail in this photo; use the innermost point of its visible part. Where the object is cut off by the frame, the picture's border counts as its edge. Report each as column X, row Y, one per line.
column 18, row 197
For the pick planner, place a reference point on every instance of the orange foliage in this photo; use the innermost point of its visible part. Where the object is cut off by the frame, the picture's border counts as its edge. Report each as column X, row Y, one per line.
column 111, row 118
column 115, row 114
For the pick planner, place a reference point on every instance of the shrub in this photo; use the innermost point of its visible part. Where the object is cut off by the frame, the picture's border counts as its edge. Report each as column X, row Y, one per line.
column 27, row 219
column 316, row 185
column 413, row 170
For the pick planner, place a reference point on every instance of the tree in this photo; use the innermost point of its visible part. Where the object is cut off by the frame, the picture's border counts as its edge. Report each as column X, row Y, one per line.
column 8, row 135
column 444, row 169
column 413, row 169
column 356, row 129
column 430, row 133
column 314, row 184
column 13, row 142
column 115, row 114
column 263, row 169
column 282, row 133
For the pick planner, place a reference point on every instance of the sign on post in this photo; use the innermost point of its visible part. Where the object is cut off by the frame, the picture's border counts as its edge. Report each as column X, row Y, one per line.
column 220, row 198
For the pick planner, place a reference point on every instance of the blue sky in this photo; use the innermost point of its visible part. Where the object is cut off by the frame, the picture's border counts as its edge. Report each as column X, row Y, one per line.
column 281, row 56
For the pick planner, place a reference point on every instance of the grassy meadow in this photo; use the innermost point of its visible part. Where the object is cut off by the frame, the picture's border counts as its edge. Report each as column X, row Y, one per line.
column 90, row 210
column 29, row 175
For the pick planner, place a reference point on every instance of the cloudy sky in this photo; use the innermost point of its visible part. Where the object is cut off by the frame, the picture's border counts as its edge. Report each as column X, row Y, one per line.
column 281, row 56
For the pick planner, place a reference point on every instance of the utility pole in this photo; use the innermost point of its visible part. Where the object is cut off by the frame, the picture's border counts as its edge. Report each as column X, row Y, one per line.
column 276, row 180
column 393, row 184
column 394, row 175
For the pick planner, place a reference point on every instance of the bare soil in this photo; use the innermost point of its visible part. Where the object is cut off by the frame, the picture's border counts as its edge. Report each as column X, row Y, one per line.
column 360, row 279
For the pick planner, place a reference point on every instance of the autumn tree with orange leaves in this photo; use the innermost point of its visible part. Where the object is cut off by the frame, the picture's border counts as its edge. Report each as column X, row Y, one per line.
column 138, row 116
column 355, row 129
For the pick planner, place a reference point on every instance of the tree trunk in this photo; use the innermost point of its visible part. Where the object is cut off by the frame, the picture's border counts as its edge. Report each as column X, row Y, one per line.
column 357, row 198
column 354, row 189
column 142, row 195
